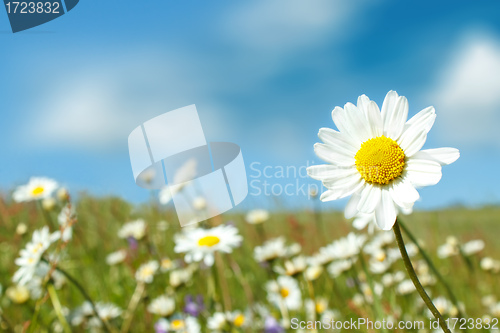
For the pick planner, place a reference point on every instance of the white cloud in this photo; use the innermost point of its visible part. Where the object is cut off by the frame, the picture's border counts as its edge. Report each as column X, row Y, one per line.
column 280, row 26
column 467, row 94
column 97, row 107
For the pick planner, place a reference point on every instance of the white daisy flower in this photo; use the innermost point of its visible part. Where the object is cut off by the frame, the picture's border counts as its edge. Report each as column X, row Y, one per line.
column 163, row 306
column 135, row 229
column 313, row 272
column 199, row 203
column 473, row 247
column 442, row 305
column 270, row 250
column 115, row 258
column 146, row 271
column 30, row 256
column 167, row 265
column 179, row 325
column 37, row 188
column 349, row 246
column 217, row 322
column 238, row 318
column 257, row 216
column 66, row 219
column 200, row 244
column 375, row 157
column 62, row 194
column 293, row 266
column 18, row 294
column 489, row 264
column 336, row 268
column 181, row 276
column 107, row 311
column 48, row 203
column 405, row 287
column 447, row 250
column 285, row 290
column 35, row 284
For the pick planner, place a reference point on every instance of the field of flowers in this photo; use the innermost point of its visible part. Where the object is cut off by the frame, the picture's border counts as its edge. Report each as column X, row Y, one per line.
column 104, row 265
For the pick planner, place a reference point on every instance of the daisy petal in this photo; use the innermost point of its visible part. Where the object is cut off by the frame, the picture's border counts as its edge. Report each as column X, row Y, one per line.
column 423, row 172
column 385, row 213
column 395, row 122
column 334, row 138
column 363, row 101
column 389, row 104
column 394, row 114
column 370, row 197
column 403, row 192
column 411, row 143
column 351, row 209
column 339, row 191
column 422, row 120
column 345, row 126
column 209, row 260
column 358, row 121
column 361, row 221
column 374, row 119
column 329, row 172
column 333, row 155
column 443, row 156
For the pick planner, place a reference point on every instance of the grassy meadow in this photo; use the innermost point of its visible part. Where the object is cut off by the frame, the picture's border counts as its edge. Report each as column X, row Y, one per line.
column 234, row 295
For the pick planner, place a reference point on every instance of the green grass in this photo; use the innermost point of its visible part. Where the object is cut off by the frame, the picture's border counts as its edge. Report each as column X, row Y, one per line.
column 95, row 236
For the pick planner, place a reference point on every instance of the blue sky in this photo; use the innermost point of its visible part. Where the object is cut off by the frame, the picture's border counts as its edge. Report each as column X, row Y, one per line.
column 264, row 74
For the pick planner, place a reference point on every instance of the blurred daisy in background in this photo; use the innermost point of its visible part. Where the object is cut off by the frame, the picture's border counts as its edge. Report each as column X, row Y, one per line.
column 18, row 294
column 375, row 156
column 66, row 219
column 179, row 325
column 238, row 319
column 270, row 250
column 114, row 258
column 30, row 256
column 293, row 266
column 145, row 273
column 135, row 229
column 284, row 290
column 163, row 306
column 201, row 244
column 217, row 322
column 37, row 188
column 257, row 216
column 473, row 247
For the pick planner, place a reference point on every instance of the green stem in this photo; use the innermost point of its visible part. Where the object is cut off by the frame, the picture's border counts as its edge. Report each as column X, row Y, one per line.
column 85, row 295
column 414, row 278
column 433, row 268
column 134, row 302
column 58, row 308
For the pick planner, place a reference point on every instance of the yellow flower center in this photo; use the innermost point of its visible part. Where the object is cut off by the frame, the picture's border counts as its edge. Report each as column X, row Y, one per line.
column 37, row 248
column 320, row 307
column 380, row 160
column 37, row 190
column 208, row 241
column 166, row 264
column 177, row 324
column 239, row 320
column 146, row 272
column 284, row 292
